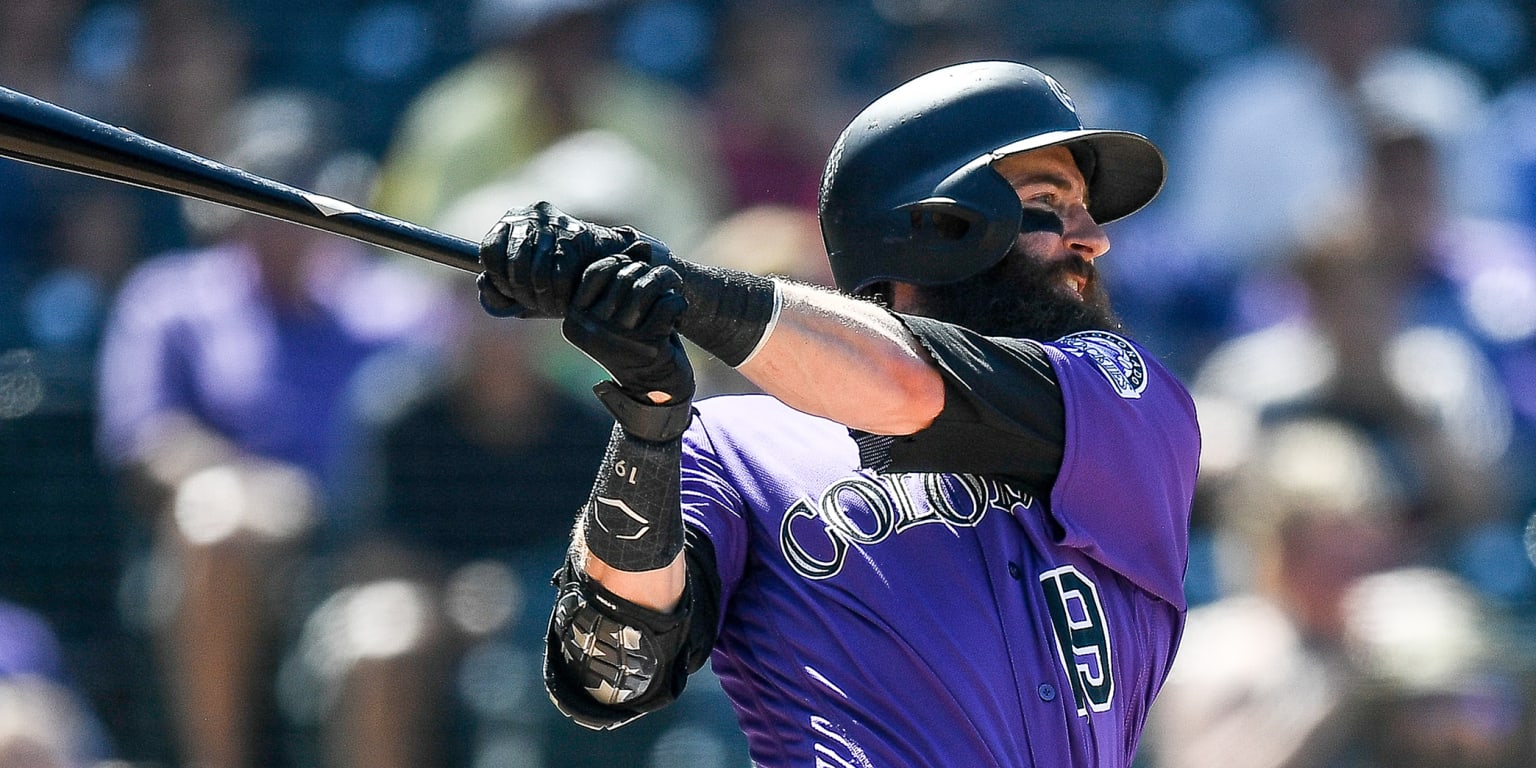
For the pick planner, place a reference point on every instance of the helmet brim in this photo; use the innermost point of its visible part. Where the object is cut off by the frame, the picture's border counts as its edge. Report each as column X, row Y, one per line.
column 1128, row 169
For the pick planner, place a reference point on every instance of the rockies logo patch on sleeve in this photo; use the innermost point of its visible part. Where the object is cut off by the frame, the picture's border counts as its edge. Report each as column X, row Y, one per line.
column 1120, row 363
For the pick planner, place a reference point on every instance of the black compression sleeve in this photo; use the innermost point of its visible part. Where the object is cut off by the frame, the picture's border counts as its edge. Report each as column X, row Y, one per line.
column 1003, row 411
column 729, row 311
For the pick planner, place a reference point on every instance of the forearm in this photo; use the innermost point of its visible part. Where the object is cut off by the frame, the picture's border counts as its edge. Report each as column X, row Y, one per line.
column 847, row 360
column 821, row 352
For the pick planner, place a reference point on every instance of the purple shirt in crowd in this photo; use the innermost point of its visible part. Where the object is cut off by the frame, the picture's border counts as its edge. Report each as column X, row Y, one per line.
column 923, row 619
column 194, row 333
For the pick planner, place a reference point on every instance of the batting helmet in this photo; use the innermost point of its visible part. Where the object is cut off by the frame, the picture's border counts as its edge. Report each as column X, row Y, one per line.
column 909, row 192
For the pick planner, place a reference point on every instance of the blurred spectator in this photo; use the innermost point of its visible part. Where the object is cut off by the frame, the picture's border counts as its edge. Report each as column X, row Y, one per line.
column 60, row 537
column 429, row 655
column 44, row 721
column 547, row 80
column 1377, row 336
column 90, row 248
column 479, row 479
column 1266, row 142
column 370, row 56
column 777, row 105
column 1355, row 358
column 225, row 402
column 33, row 59
column 195, row 66
column 1262, row 679
column 1441, row 682
column 1476, row 275
column 65, row 242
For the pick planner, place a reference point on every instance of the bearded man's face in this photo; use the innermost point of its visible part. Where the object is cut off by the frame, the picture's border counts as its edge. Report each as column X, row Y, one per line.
column 1025, row 295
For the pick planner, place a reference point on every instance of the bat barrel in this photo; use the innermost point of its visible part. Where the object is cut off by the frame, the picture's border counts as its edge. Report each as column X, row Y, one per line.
column 36, row 131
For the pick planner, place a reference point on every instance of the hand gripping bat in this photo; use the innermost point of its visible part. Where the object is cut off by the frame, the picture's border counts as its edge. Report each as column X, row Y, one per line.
column 36, row 131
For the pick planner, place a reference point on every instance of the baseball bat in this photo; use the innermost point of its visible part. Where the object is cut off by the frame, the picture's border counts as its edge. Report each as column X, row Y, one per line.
column 42, row 133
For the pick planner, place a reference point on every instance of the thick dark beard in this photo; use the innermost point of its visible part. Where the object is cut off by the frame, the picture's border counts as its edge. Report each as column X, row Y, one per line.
column 1021, row 297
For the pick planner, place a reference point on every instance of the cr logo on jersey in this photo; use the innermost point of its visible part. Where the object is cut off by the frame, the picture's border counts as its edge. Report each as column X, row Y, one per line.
column 1120, row 363
column 1082, row 637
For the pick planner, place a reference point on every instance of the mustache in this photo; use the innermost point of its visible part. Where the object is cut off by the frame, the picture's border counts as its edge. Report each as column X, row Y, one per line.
column 1023, row 296
column 1078, row 267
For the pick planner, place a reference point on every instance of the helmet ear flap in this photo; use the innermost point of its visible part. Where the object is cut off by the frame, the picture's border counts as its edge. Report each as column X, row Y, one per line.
column 951, row 239
column 978, row 213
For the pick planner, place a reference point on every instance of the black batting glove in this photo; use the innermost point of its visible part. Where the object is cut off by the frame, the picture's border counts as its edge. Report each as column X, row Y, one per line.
column 624, row 316
column 532, row 259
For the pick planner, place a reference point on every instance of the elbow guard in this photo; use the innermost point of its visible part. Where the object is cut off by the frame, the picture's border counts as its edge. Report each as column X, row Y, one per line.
column 607, row 660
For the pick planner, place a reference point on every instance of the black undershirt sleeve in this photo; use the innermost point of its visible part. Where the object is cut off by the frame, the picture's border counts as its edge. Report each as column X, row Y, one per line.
column 1003, row 411
column 704, row 580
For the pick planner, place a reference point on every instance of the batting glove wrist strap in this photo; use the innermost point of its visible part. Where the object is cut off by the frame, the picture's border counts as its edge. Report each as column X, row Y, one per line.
column 641, row 419
column 633, row 520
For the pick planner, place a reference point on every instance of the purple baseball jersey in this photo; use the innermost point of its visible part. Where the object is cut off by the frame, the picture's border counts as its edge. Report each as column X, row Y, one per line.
column 921, row 619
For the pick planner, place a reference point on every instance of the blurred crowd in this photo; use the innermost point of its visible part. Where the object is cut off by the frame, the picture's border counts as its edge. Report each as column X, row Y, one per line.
column 274, row 498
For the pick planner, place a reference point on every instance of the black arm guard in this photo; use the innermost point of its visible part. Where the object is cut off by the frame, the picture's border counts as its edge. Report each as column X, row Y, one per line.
column 608, row 661
column 633, row 520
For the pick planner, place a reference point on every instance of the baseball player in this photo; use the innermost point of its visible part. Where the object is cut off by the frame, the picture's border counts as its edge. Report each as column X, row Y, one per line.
column 954, row 530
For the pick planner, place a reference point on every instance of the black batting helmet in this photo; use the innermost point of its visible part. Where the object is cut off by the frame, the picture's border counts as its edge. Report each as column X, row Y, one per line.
column 909, row 192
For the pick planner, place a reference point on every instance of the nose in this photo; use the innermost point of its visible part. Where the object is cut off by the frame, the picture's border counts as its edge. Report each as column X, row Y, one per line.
column 1082, row 235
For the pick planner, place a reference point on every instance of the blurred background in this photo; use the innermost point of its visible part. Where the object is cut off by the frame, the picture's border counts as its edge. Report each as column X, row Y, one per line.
column 269, row 498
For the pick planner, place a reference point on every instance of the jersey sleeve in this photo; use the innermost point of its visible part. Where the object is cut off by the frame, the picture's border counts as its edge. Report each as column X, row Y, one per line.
column 1129, row 463
column 713, row 508
column 1002, row 415
column 1091, row 422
